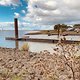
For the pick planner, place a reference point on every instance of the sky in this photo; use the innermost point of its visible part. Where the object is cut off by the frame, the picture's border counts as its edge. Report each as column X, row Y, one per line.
column 39, row 14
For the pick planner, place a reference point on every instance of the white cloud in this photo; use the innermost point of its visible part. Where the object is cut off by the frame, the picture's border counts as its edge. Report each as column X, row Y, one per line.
column 16, row 15
column 10, row 25
column 49, row 5
column 7, row 26
column 9, row 2
column 49, row 12
column 22, row 26
column 74, row 4
column 23, row 11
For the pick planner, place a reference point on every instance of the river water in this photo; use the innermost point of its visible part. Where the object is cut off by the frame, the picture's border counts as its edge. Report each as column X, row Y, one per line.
column 33, row 46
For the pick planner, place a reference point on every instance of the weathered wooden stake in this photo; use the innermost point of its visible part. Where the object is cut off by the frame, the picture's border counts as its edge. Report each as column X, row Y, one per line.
column 16, row 27
column 58, row 31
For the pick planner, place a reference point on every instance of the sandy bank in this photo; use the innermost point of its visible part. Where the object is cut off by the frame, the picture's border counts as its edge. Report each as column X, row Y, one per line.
column 23, row 65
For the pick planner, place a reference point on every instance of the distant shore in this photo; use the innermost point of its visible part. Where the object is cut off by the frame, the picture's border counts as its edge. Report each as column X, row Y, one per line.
column 54, row 32
column 48, row 32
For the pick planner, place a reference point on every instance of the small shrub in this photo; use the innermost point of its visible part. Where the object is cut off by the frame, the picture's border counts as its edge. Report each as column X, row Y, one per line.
column 16, row 78
column 25, row 47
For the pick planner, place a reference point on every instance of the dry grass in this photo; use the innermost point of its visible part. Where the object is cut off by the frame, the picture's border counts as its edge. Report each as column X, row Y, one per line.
column 25, row 47
column 16, row 77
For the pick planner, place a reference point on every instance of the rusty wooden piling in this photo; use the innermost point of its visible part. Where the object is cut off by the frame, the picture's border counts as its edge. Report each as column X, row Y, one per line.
column 16, row 27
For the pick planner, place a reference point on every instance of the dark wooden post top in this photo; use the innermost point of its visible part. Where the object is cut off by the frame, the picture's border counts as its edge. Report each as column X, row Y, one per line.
column 16, row 27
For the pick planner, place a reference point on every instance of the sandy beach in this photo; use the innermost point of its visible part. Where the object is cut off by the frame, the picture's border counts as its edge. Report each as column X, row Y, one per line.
column 39, row 40
column 23, row 65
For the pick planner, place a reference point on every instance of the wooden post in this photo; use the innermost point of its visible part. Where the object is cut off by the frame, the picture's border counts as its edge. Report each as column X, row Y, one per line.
column 16, row 44
column 58, row 31
column 16, row 27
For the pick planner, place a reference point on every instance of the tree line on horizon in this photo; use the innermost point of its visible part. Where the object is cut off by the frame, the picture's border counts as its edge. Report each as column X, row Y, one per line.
column 63, row 27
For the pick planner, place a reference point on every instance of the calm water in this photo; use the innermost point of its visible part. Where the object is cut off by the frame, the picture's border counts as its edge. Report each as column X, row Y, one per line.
column 34, row 46
column 7, row 43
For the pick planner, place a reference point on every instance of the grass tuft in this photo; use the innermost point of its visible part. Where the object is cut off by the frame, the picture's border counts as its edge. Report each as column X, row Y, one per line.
column 25, row 47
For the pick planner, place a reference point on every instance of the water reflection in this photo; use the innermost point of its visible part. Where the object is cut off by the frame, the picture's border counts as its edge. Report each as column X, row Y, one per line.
column 17, row 44
column 33, row 46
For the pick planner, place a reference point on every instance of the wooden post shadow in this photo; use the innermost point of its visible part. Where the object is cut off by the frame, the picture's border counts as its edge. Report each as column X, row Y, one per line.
column 16, row 44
